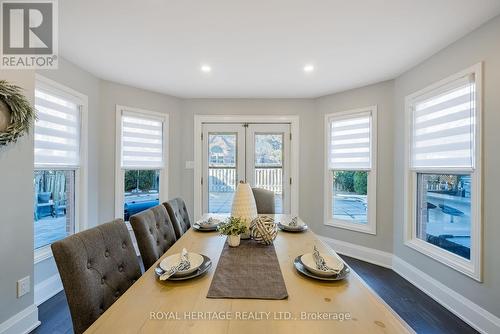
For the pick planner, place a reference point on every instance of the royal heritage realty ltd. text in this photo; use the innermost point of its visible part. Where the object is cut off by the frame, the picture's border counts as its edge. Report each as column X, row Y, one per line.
column 249, row 316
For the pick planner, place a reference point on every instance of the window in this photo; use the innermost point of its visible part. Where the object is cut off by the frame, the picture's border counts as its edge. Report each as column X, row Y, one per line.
column 443, row 171
column 351, row 169
column 141, row 171
column 58, row 175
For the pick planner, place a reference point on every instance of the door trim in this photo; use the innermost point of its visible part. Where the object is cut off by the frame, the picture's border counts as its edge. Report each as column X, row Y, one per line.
column 294, row 121
column 270, row 128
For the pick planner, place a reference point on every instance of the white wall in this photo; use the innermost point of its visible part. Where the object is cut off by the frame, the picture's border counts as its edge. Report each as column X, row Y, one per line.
column 481, row 45
column 16, row 207
column 380, row 94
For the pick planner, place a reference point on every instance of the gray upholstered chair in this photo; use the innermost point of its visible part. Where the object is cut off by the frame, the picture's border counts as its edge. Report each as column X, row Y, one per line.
column 264, row 199
column 96, row 267
column 178, row 215
column 154, row 233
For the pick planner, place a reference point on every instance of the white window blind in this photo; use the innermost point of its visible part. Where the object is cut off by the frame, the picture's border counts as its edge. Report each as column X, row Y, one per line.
column 57, row 130
column 443, row 127
column 142, row 141
column 350, row 142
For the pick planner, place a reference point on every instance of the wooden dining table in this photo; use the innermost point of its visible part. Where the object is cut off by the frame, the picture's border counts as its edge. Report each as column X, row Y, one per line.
column 312, row 306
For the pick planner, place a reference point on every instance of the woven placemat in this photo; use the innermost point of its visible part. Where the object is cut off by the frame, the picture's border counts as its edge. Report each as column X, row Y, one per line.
column 249, row 271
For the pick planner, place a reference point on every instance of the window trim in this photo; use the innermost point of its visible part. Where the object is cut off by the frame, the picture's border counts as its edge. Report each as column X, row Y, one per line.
column 120, row 172
column 81, row 174
column 472, row 267
column 371, row 226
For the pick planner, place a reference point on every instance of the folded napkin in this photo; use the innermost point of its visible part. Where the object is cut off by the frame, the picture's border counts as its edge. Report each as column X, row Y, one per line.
column 209, row 222
column 183, row 265
column 321, row 263
column 294, row 222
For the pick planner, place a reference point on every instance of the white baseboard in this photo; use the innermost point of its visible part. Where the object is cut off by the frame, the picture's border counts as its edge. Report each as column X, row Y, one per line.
column 22, row 322
column 375, row 256
column 47, row 289
column 473, row 314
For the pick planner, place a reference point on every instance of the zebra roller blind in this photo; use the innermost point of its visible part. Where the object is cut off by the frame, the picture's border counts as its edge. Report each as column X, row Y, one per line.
column 350, row 142
column 57, row 130
column 141, row 141
column 443, row 127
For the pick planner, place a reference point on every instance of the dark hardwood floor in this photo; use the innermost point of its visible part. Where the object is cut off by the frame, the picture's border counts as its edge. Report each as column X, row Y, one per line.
column 420, row 311
column 54, row 316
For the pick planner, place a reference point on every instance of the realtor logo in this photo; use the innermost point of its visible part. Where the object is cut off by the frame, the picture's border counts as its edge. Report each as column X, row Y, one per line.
column 29, row 34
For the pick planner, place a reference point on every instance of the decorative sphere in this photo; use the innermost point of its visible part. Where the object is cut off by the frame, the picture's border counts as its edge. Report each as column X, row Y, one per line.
column 263, row 229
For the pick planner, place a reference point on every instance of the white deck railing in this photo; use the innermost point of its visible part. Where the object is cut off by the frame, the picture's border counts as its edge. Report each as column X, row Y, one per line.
column 270, row 179
column 224, row 179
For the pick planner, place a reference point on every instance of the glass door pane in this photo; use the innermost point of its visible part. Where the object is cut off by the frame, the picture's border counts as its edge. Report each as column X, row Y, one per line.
column 222, row 173
column 224, row 165
column 268, row 171
column 267, row 161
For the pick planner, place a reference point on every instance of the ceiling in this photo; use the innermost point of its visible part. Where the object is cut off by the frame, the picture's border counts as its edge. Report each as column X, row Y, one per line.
column 258, row 48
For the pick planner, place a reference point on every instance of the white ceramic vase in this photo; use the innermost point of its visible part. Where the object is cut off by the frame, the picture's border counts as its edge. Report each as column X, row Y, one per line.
column 244, row 206
column 233, row 240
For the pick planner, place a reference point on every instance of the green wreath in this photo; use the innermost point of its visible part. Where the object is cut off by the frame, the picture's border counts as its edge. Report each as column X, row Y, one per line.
column 22, row 113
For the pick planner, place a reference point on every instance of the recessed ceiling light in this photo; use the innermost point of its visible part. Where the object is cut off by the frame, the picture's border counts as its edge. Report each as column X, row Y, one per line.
column 206, row 68
column 308, row 68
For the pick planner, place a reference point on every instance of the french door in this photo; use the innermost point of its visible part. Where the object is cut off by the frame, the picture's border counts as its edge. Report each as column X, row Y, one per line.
column 256, row 153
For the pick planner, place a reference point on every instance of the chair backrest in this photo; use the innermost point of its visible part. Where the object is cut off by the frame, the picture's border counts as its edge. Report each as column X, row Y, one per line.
column 154, row 233
column 264, row 200
column 96, row 267
column 44, row 197
column 178, row 215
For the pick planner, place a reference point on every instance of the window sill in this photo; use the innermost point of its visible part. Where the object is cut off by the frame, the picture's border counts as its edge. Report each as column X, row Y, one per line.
column 449, row 259
column 369, row 229
column 129, row 227
column 42, row 254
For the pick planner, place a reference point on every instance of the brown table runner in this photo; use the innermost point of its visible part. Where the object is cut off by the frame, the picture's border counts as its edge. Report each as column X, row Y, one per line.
column 249, row 271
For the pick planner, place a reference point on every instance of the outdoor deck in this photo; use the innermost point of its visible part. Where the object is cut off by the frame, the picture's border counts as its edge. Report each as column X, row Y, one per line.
column 49, row 230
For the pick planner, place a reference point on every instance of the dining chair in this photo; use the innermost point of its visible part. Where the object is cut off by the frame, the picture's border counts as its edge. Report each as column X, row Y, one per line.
column 264, row 200
column 96, row 267
column 178, row 215
column 154, row 232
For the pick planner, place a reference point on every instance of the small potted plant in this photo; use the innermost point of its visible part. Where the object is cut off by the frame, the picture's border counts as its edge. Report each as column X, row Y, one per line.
column 233, row 227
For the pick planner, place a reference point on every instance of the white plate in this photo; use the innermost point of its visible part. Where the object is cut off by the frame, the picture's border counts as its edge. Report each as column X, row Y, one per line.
column 173, row 260
column 331, row 261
